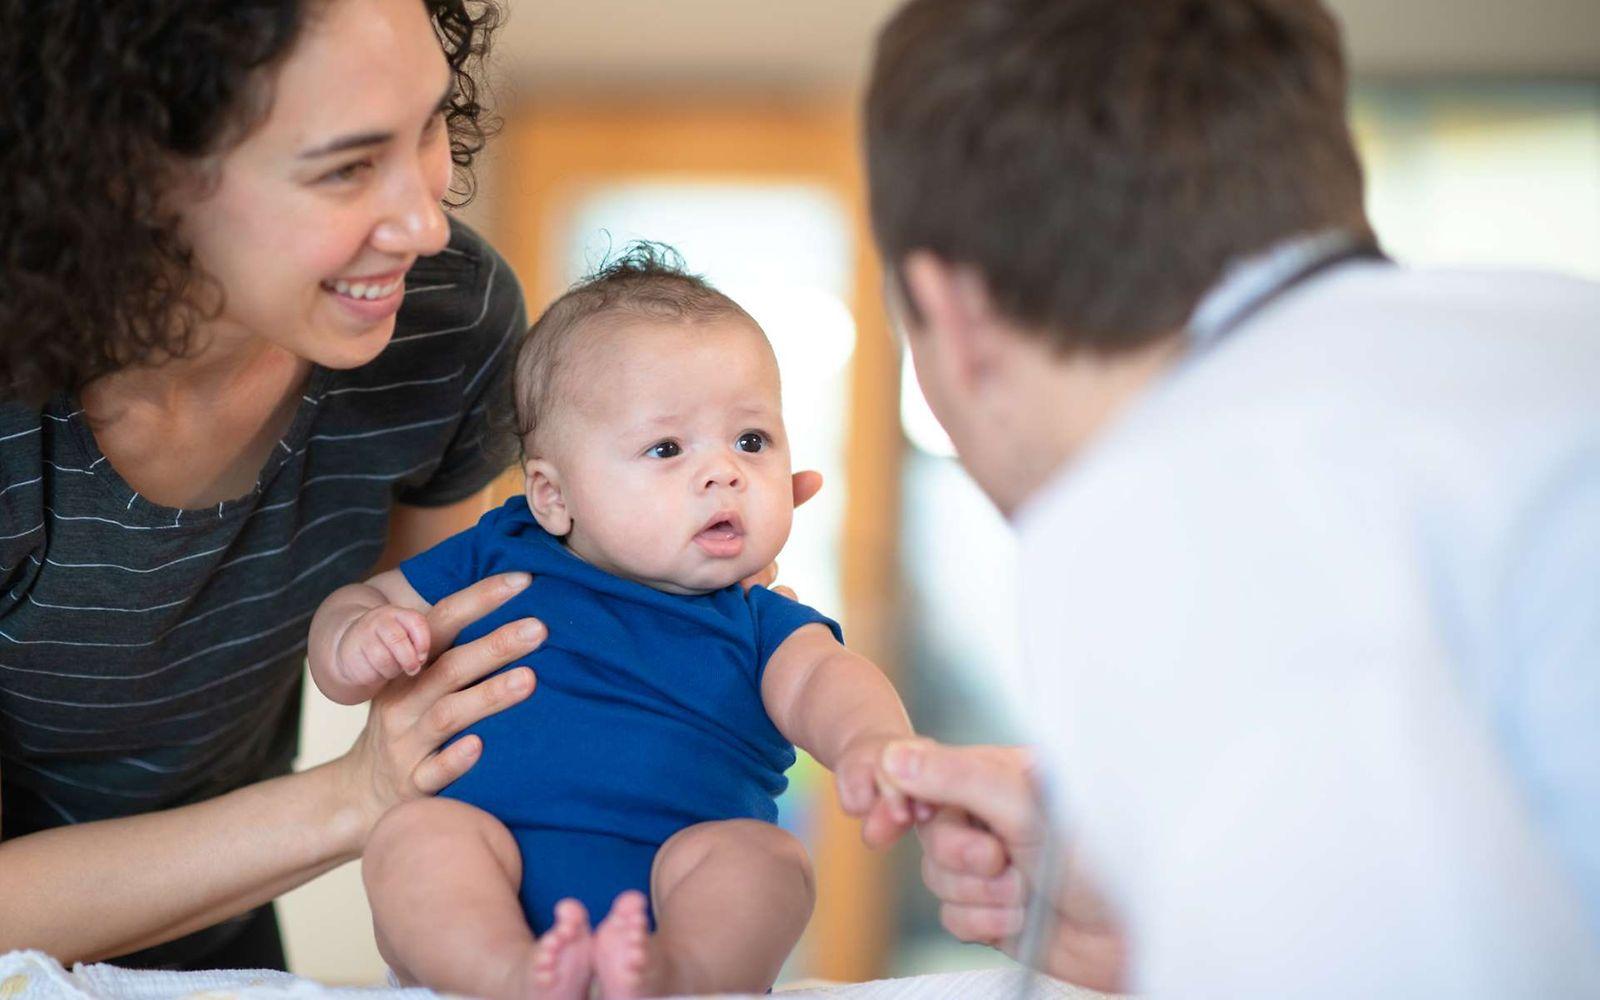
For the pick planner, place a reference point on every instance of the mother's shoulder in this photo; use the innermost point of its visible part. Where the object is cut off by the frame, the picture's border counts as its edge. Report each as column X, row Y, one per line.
column 467, row 256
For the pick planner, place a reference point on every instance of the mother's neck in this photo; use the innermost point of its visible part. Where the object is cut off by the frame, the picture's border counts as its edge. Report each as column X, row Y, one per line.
column 223, row 366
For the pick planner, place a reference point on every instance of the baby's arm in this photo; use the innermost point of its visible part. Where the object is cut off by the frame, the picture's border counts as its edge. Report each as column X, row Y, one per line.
column 840, row 708
column 366, row 633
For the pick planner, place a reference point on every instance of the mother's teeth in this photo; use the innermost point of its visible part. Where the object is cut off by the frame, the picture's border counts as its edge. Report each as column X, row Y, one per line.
column 362, row 290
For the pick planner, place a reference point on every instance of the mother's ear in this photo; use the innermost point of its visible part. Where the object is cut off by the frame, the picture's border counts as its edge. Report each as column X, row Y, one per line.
column 545, row 499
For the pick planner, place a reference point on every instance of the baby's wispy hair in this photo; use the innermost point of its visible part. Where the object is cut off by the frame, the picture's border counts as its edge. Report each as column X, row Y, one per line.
column 646, row 280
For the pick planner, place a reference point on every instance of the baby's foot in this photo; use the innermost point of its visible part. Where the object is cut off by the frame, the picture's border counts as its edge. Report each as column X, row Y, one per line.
column 627, row 961
column 561, row 967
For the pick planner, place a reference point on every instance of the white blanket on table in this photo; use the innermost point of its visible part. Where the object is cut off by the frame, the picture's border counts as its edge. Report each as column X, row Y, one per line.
column 32, row 975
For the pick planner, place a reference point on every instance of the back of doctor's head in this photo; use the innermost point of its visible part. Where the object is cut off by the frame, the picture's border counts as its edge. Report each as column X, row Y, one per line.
column 1102, row 161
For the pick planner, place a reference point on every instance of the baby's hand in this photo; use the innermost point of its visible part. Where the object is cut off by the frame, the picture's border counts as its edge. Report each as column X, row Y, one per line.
column 382, row 644
column 866, row 791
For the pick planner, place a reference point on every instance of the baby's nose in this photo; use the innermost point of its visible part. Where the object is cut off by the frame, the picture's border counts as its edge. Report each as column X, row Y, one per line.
column 721, row 472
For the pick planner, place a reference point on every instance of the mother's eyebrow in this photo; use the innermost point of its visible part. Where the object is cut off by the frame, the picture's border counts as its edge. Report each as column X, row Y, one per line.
column 358, row 140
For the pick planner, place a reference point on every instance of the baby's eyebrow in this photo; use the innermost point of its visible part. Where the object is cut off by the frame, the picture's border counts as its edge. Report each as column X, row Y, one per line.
column 655, row 423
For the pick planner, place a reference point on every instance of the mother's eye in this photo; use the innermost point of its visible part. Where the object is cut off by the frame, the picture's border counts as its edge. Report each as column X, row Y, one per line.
column 347, row 173
column 666, row 449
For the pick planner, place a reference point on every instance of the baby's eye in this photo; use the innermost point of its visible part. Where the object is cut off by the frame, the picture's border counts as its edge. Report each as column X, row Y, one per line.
column 666, row 449
column 751, row 441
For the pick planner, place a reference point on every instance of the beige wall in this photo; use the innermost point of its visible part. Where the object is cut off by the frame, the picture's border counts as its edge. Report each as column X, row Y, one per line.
column 327, row 927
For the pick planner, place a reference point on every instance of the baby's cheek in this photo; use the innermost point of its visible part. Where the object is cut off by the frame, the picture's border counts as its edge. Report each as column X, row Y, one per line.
column 768, row 539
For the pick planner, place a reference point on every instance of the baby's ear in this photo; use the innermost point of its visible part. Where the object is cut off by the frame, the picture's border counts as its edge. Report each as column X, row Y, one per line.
column 542, row 484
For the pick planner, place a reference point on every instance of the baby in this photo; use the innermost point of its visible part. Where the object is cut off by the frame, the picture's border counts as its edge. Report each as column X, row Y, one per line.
column 639, row 779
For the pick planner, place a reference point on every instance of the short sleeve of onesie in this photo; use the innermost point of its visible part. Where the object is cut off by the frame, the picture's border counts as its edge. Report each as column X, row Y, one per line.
column 776, row 618
column 454, row 564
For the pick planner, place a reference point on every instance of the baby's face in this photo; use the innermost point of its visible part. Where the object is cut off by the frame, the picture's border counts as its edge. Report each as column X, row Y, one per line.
column 670, row 453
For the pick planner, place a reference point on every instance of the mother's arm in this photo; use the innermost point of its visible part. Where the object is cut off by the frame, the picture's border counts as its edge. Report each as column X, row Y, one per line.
column 98, row 890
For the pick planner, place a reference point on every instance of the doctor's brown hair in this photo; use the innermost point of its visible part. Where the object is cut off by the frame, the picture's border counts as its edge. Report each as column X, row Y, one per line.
column 1101, row 162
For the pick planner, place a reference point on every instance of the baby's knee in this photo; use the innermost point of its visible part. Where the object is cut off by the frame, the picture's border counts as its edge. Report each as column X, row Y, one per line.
column 766, row 850
column 414, row 832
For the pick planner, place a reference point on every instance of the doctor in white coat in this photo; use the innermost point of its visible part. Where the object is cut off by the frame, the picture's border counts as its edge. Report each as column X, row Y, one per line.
column 1310, row 540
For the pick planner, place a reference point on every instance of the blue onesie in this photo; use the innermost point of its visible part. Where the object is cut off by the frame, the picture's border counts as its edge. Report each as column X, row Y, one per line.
column 647, row 717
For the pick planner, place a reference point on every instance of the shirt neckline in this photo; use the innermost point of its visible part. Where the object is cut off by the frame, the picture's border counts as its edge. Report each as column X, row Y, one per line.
column 289, row 445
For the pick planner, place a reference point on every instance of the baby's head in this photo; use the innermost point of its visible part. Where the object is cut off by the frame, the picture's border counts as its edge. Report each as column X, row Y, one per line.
column 652, row 428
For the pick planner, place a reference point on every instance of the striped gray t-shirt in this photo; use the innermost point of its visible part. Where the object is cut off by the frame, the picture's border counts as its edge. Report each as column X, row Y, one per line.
column 152, row 657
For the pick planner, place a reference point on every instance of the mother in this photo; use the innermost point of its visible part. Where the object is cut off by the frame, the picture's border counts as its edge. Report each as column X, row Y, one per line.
column 246, row 353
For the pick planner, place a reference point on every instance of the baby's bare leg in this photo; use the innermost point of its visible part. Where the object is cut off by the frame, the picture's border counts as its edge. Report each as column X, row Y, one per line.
column 731, row 901
column 442, row 878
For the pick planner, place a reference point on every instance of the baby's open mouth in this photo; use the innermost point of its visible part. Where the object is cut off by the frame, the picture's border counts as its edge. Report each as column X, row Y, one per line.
column 723, row 535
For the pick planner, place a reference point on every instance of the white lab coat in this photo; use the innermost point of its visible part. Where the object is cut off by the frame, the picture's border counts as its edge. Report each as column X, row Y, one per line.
column 1313, row 637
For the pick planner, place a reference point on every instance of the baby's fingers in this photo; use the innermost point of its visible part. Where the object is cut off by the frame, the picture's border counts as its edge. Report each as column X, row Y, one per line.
column 380, row 659
column 880, row 828
column 399, row 648
column 857, row 790
column 415, row 624
column 897, row 802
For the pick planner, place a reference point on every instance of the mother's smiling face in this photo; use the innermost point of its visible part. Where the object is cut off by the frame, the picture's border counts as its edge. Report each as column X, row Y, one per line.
column 309, row 224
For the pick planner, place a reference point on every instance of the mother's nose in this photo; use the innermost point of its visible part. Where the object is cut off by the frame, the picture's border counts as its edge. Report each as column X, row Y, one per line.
column 414, row 223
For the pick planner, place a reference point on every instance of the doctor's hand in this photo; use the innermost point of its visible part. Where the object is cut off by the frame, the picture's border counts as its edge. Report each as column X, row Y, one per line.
column 982, row 832
column 806, row 485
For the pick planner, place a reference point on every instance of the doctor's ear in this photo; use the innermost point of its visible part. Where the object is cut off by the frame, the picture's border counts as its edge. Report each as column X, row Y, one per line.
column 542, row 484
column 952, row 306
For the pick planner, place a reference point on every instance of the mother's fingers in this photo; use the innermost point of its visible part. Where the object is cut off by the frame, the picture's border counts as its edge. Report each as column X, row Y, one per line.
column 462, row 666
column 439, row 769
column 447, row 618
column 807, row 484
column 455, row 712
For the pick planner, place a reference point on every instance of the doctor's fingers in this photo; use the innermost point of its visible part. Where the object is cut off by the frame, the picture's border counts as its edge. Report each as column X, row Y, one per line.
column 954, row 842
column 993, row 784
column 1005, row 889
column 996, row 926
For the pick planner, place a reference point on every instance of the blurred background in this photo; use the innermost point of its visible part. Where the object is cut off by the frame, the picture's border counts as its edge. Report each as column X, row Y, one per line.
column 728, row 129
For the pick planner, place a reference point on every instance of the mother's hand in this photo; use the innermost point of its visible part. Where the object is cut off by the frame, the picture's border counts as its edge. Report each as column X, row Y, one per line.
column 397, row 756
column 982, row 859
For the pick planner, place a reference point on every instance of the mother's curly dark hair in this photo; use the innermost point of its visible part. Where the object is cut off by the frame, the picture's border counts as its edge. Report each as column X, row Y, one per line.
column 99, row 100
